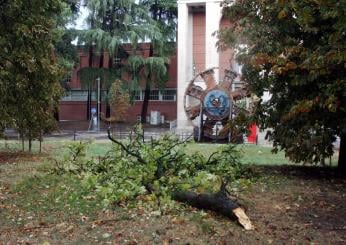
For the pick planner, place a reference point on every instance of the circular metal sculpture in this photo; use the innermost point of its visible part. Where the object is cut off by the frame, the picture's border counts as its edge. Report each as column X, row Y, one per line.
column 217, row 104
column 210, row 105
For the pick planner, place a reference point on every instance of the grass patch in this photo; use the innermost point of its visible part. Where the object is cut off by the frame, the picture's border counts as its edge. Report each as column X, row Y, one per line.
column 60, row 197
column 55, row 195
column 49, row 199
column 251, row 154
column 68, row 213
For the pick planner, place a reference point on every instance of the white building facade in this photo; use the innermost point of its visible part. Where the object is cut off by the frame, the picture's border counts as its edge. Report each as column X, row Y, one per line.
column 198, row 21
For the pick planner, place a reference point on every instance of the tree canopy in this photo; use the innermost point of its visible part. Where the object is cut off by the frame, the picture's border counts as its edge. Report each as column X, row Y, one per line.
column 115, row 23
column 296, row 51
column 29, row 72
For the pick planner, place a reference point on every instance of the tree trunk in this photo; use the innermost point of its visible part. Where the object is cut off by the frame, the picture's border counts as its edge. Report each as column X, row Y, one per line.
column 89, row 103
column 216, row 202
column 146, row 92
column 30, row 143
column 342, row 155
column 23, row 145
column 40, row 141
column 145, row 103
column 56, row 113
column 108, row 107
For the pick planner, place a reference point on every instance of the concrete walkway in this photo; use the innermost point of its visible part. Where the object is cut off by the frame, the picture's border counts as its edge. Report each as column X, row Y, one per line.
column 122, row 132
column 78, row 130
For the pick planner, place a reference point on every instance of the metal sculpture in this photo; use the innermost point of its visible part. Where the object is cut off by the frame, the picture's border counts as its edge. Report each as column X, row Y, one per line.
column 210, row 106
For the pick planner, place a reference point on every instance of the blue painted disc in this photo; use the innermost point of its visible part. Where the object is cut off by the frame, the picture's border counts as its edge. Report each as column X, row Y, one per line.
column 217, row 104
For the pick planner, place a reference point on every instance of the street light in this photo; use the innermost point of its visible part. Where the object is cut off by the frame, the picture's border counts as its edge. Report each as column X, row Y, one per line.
column 98, row 80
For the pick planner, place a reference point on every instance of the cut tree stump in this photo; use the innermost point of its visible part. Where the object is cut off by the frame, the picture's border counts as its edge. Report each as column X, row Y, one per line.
column 218, row 203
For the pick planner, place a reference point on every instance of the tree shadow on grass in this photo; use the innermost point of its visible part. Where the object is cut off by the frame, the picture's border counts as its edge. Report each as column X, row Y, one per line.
column 8, row 157
column 302, row 172
column 308, row 202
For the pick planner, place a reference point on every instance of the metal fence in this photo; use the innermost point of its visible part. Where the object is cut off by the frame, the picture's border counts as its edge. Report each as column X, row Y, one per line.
column 122, row 133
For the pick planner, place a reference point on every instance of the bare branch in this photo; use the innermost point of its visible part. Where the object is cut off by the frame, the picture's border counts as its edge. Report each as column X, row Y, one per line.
column 136, row 155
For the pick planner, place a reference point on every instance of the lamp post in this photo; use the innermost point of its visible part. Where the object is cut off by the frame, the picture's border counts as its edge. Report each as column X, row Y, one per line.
column 98, row 80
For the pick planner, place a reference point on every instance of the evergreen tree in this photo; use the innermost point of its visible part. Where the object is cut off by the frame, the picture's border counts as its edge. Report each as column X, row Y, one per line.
column 164, row 14
column 115, row 23
column 111, row 24
column 29, row 73
column 296, row 50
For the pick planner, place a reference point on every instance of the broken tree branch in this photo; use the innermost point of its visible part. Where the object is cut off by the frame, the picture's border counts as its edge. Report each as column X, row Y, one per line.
column 218, row 202
column 137, row 156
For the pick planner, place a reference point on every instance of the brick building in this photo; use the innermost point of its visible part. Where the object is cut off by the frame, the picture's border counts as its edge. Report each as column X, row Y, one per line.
column 73, row 107
column 198, row 20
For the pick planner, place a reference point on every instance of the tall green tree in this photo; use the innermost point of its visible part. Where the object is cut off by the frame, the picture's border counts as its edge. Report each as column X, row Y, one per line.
column 65, row 34
column 111, row 24
column 29, row 72
column 295, row 50
column 164, row 15
column 115, row 23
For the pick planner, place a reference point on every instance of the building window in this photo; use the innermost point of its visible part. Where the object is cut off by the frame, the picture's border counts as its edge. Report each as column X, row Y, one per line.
column 154, row 95
column 68, row 78
column 237, row 84
column 82, row 95
column 169, row 95
column 137, row 95
column 75, row 95
column 116, row 61
column 237, row 67
column 65, row 83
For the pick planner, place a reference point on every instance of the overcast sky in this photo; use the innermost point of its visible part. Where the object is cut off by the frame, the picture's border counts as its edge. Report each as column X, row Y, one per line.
column 81, row 20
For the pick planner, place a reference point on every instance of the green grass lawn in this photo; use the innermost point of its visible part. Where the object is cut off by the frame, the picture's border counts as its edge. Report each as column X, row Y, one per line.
column 250, row 154
column 39, row 207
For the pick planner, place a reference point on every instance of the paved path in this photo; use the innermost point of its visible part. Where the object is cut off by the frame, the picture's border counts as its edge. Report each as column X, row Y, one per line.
column 119, row 133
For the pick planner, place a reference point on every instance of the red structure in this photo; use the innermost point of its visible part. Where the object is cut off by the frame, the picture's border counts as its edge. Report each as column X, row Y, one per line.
column 252, row 138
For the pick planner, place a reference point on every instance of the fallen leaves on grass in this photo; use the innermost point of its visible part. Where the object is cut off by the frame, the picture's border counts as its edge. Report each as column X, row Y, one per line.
column 15, row 157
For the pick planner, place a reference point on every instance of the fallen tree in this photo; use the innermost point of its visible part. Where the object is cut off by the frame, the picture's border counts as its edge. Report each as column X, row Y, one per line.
column 218, row 202
column 162, row 170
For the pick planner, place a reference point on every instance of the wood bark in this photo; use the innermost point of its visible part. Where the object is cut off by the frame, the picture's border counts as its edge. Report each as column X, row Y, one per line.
column 40, row 140
column 342, row 155
column 145, row 103
column 218, row 203
column 215, row 202
column 30, row 142
column 147, row 84
column 23, row 143
column 146, row 92
column 108, row 107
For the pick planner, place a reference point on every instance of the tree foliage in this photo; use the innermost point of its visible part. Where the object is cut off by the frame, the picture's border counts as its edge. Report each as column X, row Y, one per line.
column 163, row 14
column 119, row 99
column 295, row 50
column 116, row 23
column 64, row 35
column 113, row 23
column 157, row 168
column 29, row 74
